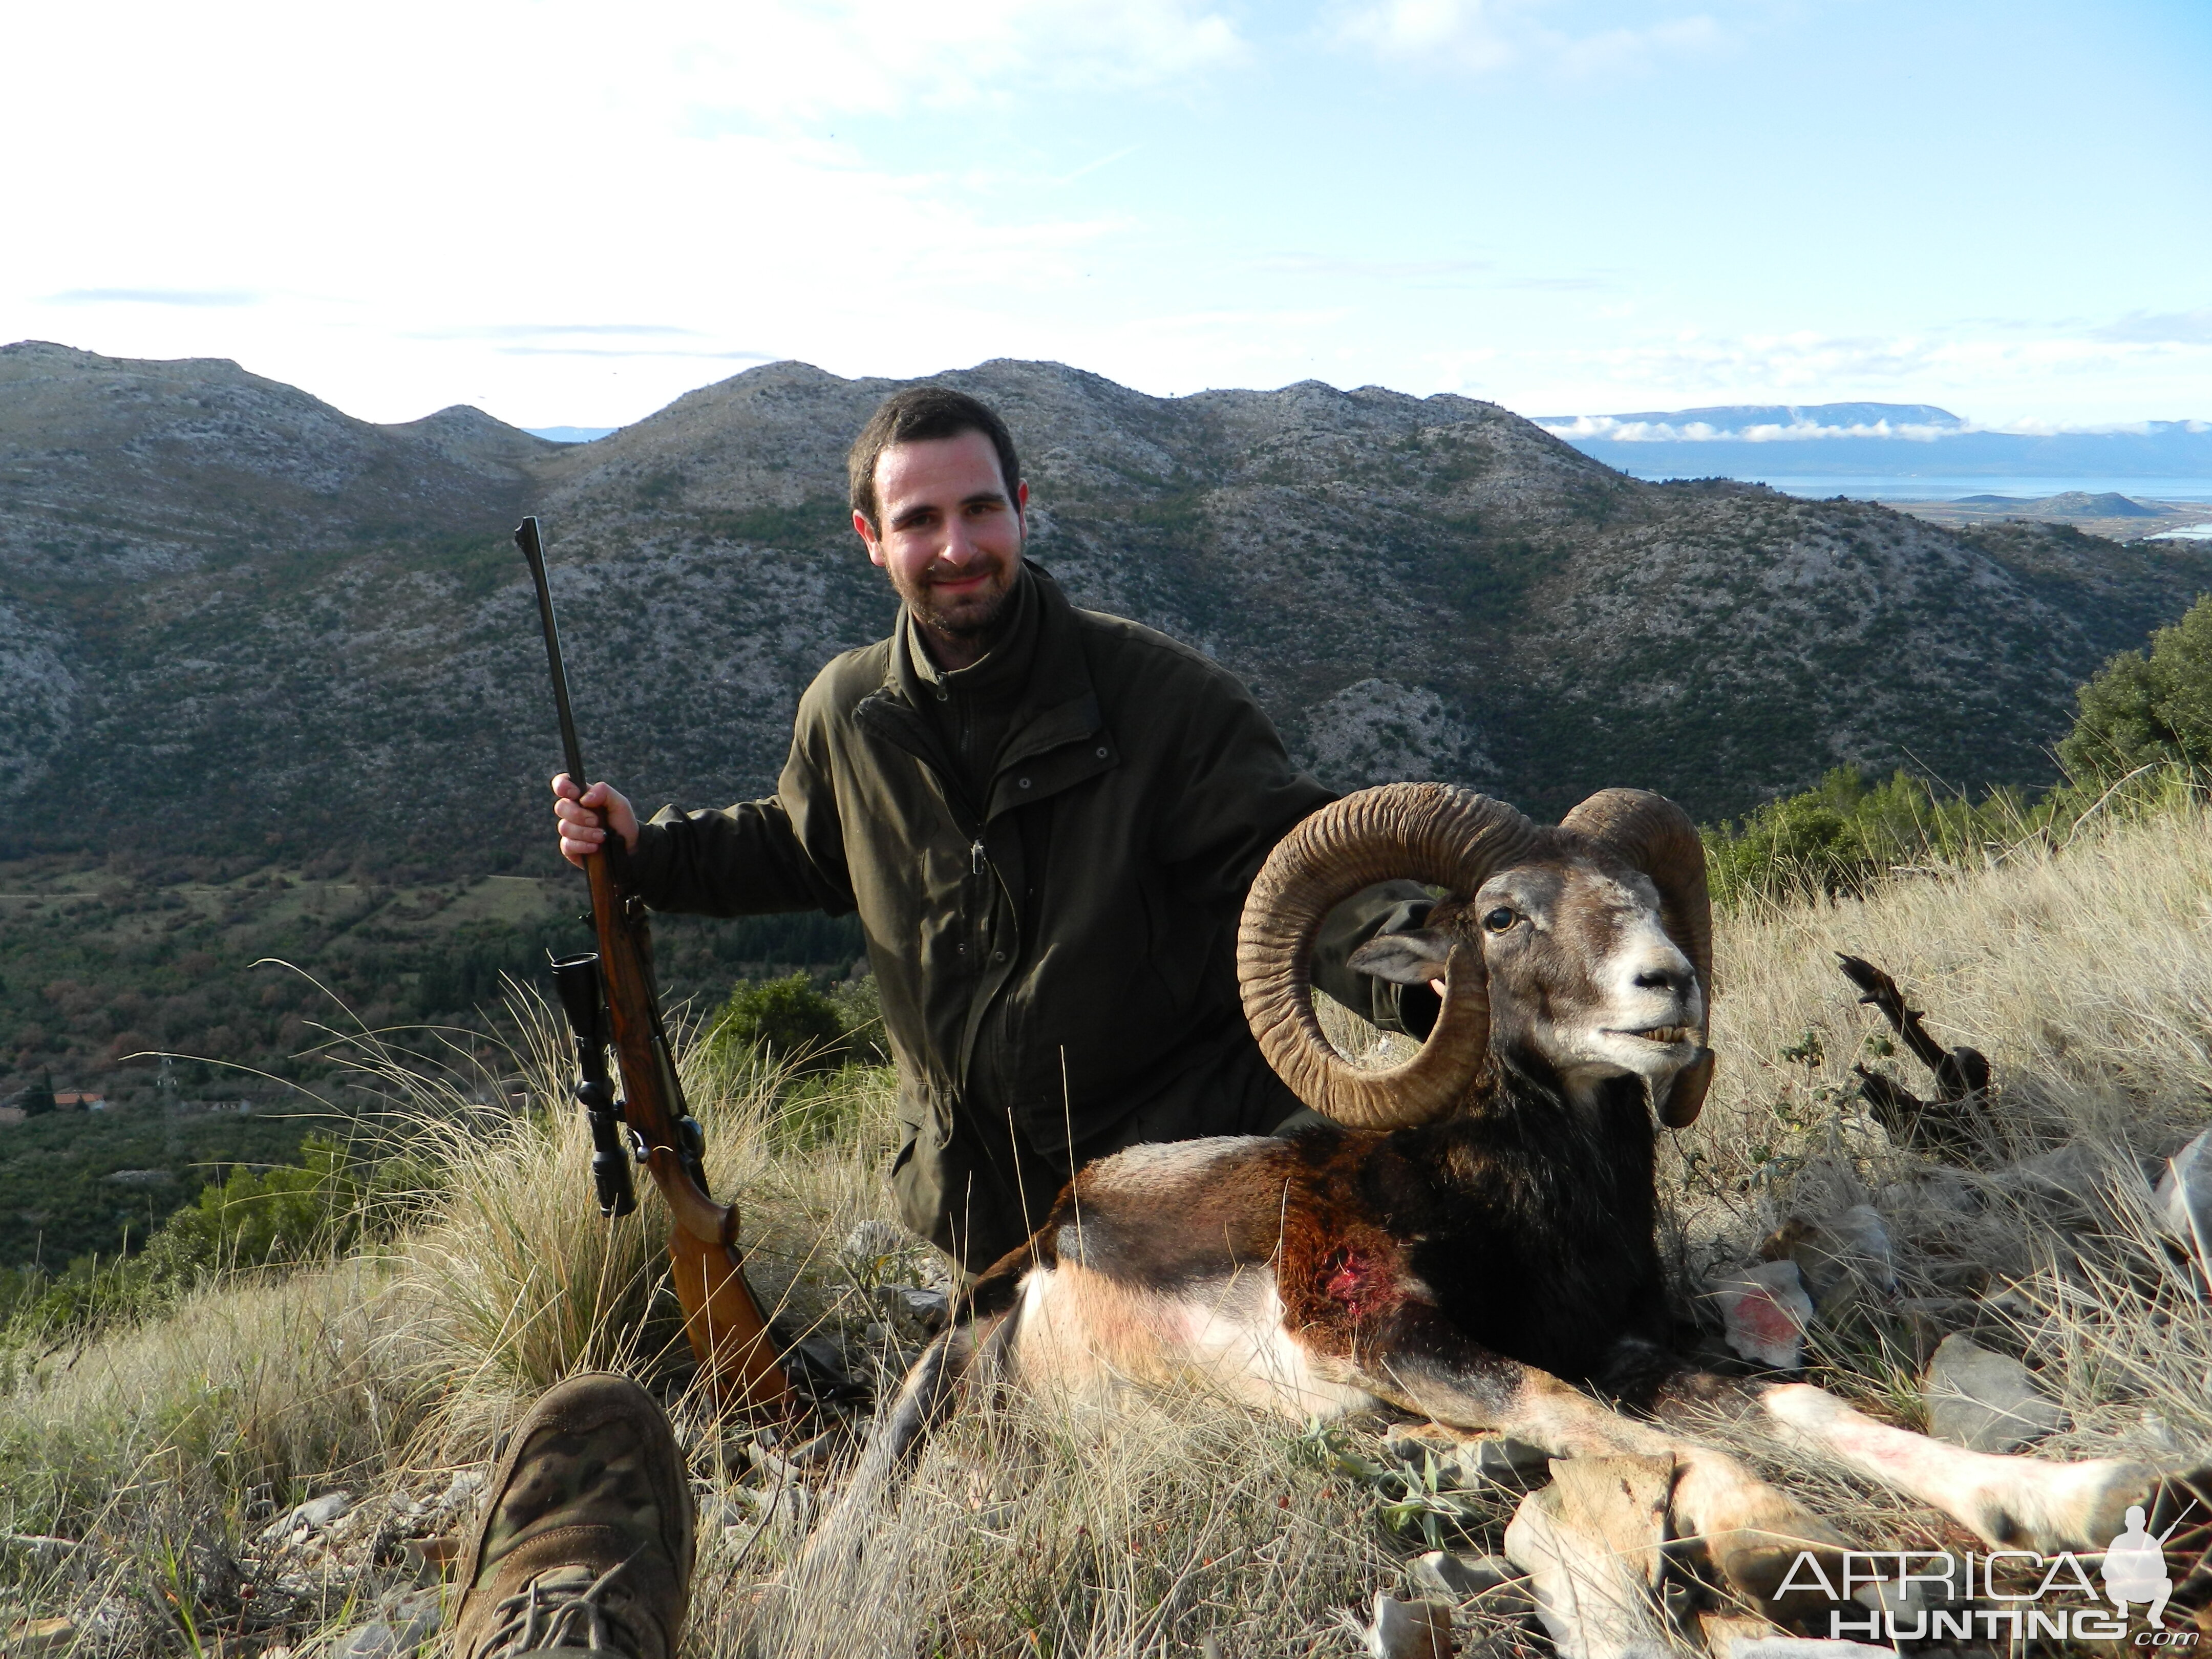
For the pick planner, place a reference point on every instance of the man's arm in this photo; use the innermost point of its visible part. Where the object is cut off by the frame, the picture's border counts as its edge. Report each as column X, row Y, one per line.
column 786, row 852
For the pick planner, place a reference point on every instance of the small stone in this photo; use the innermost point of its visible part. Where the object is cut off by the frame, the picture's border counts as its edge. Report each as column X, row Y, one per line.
column 912, row 1311
column 422, row 1609
column 330, row 1507
column 1450, row 1576
column 1841, row 1252
column 461, row 1489
column 1985, row 1401
column 2076, row 1171
column 871, row 1241
column 312, row 1517
column 1765, row 1311
column 821, row 1364
column 1496, row 1457
column 1929, row 1319
column 1408, row 1630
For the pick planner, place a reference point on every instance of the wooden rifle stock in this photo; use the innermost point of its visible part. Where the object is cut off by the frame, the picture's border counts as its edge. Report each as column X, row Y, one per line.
column 721, row 1316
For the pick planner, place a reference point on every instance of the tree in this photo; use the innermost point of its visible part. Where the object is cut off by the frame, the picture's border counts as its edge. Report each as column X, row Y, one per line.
column 40, row 1099
column 786, row 1018
column 2141, row 710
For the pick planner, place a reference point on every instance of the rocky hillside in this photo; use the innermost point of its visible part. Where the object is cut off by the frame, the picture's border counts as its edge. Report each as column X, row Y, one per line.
column 233, row 618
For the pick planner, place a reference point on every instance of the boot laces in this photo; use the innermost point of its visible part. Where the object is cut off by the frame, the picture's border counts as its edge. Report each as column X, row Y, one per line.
column 560, row 1610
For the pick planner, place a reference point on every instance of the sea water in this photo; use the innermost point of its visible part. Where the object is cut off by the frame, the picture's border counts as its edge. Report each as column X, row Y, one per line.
column 1867, row 486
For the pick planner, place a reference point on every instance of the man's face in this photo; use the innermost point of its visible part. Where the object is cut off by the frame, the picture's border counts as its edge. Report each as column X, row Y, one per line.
column 950, row 540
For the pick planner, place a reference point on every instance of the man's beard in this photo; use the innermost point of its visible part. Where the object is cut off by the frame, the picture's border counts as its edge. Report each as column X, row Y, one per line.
column 974, row 623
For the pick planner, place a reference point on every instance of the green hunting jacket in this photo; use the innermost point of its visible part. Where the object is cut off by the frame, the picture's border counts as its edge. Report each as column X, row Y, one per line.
column 1052, row 936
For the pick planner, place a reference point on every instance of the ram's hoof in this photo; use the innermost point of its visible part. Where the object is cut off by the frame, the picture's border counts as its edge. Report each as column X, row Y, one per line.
column 1787, row 1580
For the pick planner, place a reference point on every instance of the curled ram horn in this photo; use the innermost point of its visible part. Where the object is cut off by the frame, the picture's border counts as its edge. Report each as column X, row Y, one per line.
column 1429, row 832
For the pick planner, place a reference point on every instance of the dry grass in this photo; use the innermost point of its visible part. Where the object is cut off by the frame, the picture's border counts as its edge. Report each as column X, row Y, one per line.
column 1036, row 1527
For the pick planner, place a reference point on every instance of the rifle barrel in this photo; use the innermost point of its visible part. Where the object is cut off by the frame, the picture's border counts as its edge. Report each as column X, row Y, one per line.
column 533, row 550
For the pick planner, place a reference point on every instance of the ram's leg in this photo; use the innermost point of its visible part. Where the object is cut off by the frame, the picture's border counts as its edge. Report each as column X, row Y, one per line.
column 1749, row 1533
column 2012, row 1501
column 972, row 1352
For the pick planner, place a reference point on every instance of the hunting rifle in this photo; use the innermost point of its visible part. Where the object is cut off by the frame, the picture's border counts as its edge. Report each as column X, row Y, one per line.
column 611, row 1001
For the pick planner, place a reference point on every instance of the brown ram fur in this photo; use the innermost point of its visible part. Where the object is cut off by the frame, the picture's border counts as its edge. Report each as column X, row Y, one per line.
column 1489, row 1261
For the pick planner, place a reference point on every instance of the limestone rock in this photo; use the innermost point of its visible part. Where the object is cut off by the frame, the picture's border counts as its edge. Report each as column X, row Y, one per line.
column 1593, row 1544
column 1453, row 1576
column 303, row 1520
column 1985, row 1401
column 1839, row 1253
column 914, row 1313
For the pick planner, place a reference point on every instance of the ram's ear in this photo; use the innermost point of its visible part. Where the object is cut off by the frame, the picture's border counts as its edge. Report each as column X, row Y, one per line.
column 1413, row 958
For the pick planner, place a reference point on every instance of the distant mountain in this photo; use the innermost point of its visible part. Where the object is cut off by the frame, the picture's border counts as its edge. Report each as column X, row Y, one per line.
column 1756, row 441
column 2070, row 503
column 233, row 618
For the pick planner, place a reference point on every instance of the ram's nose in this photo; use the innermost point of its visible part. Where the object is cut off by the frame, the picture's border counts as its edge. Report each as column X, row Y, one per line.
column 1673, row 977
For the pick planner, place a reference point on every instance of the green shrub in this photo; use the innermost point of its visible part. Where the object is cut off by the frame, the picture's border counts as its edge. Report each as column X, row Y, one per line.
column 786, row 1019
column 1848, row 832
column 281, row 1214
column 327, row 1205
column 2148, row 710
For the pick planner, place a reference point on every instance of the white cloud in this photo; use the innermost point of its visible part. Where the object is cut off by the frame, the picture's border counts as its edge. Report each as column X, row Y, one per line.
column 2167, row 328
column 1480, row 36
column 366, row 202
column 1615, row 430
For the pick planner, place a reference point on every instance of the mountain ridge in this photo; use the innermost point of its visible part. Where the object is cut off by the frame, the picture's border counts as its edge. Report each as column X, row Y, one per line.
column 217, row 588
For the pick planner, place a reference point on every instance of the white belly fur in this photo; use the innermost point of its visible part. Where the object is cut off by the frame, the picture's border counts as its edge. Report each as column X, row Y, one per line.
column 1087, row 1335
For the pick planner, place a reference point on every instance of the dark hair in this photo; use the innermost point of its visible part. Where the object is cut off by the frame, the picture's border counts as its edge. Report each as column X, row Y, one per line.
column 917, row 414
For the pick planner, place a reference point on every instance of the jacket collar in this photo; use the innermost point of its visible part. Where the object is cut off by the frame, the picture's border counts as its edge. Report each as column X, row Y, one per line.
column 1058, row 706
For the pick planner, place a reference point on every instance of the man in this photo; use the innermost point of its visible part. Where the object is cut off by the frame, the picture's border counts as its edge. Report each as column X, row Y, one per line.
column 1047, row 819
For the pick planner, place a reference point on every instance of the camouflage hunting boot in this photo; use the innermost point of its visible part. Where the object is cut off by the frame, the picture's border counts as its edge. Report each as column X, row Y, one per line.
column 585, row 1540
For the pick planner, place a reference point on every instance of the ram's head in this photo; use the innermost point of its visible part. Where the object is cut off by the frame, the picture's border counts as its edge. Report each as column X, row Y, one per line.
column 1583, row 951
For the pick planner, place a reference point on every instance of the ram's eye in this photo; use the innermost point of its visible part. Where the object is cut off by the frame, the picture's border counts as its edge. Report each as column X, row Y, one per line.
column 1500, row 919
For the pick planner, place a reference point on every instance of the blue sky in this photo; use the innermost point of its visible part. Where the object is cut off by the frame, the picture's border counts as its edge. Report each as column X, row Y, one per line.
column 572, row 213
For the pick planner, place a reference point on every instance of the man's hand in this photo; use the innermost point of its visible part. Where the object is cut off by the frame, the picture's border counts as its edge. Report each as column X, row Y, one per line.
column 580, row 834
